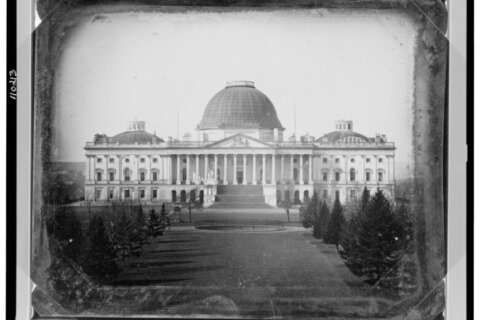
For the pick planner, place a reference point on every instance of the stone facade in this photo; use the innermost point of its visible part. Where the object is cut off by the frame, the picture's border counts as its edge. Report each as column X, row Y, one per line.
column 136, row 165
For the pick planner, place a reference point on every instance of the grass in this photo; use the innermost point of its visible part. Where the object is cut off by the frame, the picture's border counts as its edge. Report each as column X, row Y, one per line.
column 193, row 272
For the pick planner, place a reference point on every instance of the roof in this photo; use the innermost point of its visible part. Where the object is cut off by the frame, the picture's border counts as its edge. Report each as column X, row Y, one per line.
column 135, row 137
column 337, row 135
column 240, row 105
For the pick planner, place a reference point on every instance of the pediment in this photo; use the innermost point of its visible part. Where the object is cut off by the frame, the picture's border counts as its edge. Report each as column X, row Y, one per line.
column 239, row 141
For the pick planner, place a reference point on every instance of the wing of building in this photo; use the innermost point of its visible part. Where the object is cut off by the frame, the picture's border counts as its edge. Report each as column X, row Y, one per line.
column 239, row 158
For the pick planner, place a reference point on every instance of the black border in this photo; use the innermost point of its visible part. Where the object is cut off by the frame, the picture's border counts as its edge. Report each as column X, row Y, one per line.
column 470, row 160
column 11, row 163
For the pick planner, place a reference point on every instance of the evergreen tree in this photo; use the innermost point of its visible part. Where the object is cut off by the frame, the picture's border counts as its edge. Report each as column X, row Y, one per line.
column 336, row 225
column 153, row 223
column 100, row 262
column 316, row 216
column 371, row 243
column 122, row 237
column 323, row 220
column 311, row 211
column 138, row 236
column 364, row 199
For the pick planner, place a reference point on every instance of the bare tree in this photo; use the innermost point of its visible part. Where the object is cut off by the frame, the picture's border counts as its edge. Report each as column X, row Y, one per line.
column 88, row 203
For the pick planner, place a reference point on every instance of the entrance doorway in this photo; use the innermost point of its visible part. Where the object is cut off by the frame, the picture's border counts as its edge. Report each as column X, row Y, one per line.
column 240, row 176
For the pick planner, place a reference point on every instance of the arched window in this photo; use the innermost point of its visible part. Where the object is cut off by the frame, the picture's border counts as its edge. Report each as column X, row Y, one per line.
column 296, row 197
column 127, row 174
column 174, row 196
column 352, row 174
column 287, row 195
column 183, row 196
column 306, row 195
column 200, row 196
column 192, row 195
column 279, row 196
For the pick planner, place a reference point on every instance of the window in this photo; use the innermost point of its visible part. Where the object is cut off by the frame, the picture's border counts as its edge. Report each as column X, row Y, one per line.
column 367, row 160
column 380, row 176
column 337, row 176
column 352, row 160
column 352, row 174
column 111, row 176
column 127, row 174
column 155, row 160
column 325, row 160
column 325, row 193
column 337, row 160
column 349, row 127
column 337, row 194
column 98, row 193
column 142, row 160
column 127, row 160
column 99, row 176
column 352, row 194
column 142, row 193
column 155, row 176
column 99, row 160
column 127, row 194
column 367, row 176
column 111, row 160
column 295, row 160
column 325, row 176
column 380, row 159
column 110, row 193
column 142, row 176
column 154, row 193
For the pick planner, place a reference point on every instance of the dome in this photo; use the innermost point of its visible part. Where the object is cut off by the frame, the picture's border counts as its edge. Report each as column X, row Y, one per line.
column 240, row 105
column 132, row 137
column 337, row 136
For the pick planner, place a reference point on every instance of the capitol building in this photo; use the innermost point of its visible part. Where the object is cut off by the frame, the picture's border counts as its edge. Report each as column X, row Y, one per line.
column 238, row 157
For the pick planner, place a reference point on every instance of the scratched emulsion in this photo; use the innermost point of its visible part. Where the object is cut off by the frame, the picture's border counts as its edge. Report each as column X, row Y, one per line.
column 429, row 108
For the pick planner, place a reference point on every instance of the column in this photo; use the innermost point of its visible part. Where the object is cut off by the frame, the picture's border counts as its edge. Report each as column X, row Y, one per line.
column 119, row 159
column 235, row 169
column 375, row 173
column 216, row 168
column 291, row 168
column 244, row 169
column 87, row 169
column 225, row 172
column 346, row 169
column 310, row 166
column 197, row 169
column 274, row 181
column 206, row 167
column 137, row 176
column 263, row 170
column 188, row 169
column 178, row 169
column 364, row 178
column 254, row 173
column 169, row 169
column 282, row 164
column 149, row 157
column 302, row 181
column 106, row 174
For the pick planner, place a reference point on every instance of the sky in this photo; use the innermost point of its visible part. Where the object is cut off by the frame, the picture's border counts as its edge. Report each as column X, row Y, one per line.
column 327, row 65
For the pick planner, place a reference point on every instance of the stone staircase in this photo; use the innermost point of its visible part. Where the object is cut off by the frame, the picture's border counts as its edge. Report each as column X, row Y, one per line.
column 239, row 197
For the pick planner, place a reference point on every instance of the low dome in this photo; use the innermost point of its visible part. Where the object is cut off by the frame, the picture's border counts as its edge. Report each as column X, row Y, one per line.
column 240, row 105
column 337, row 136
column 137, row 136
